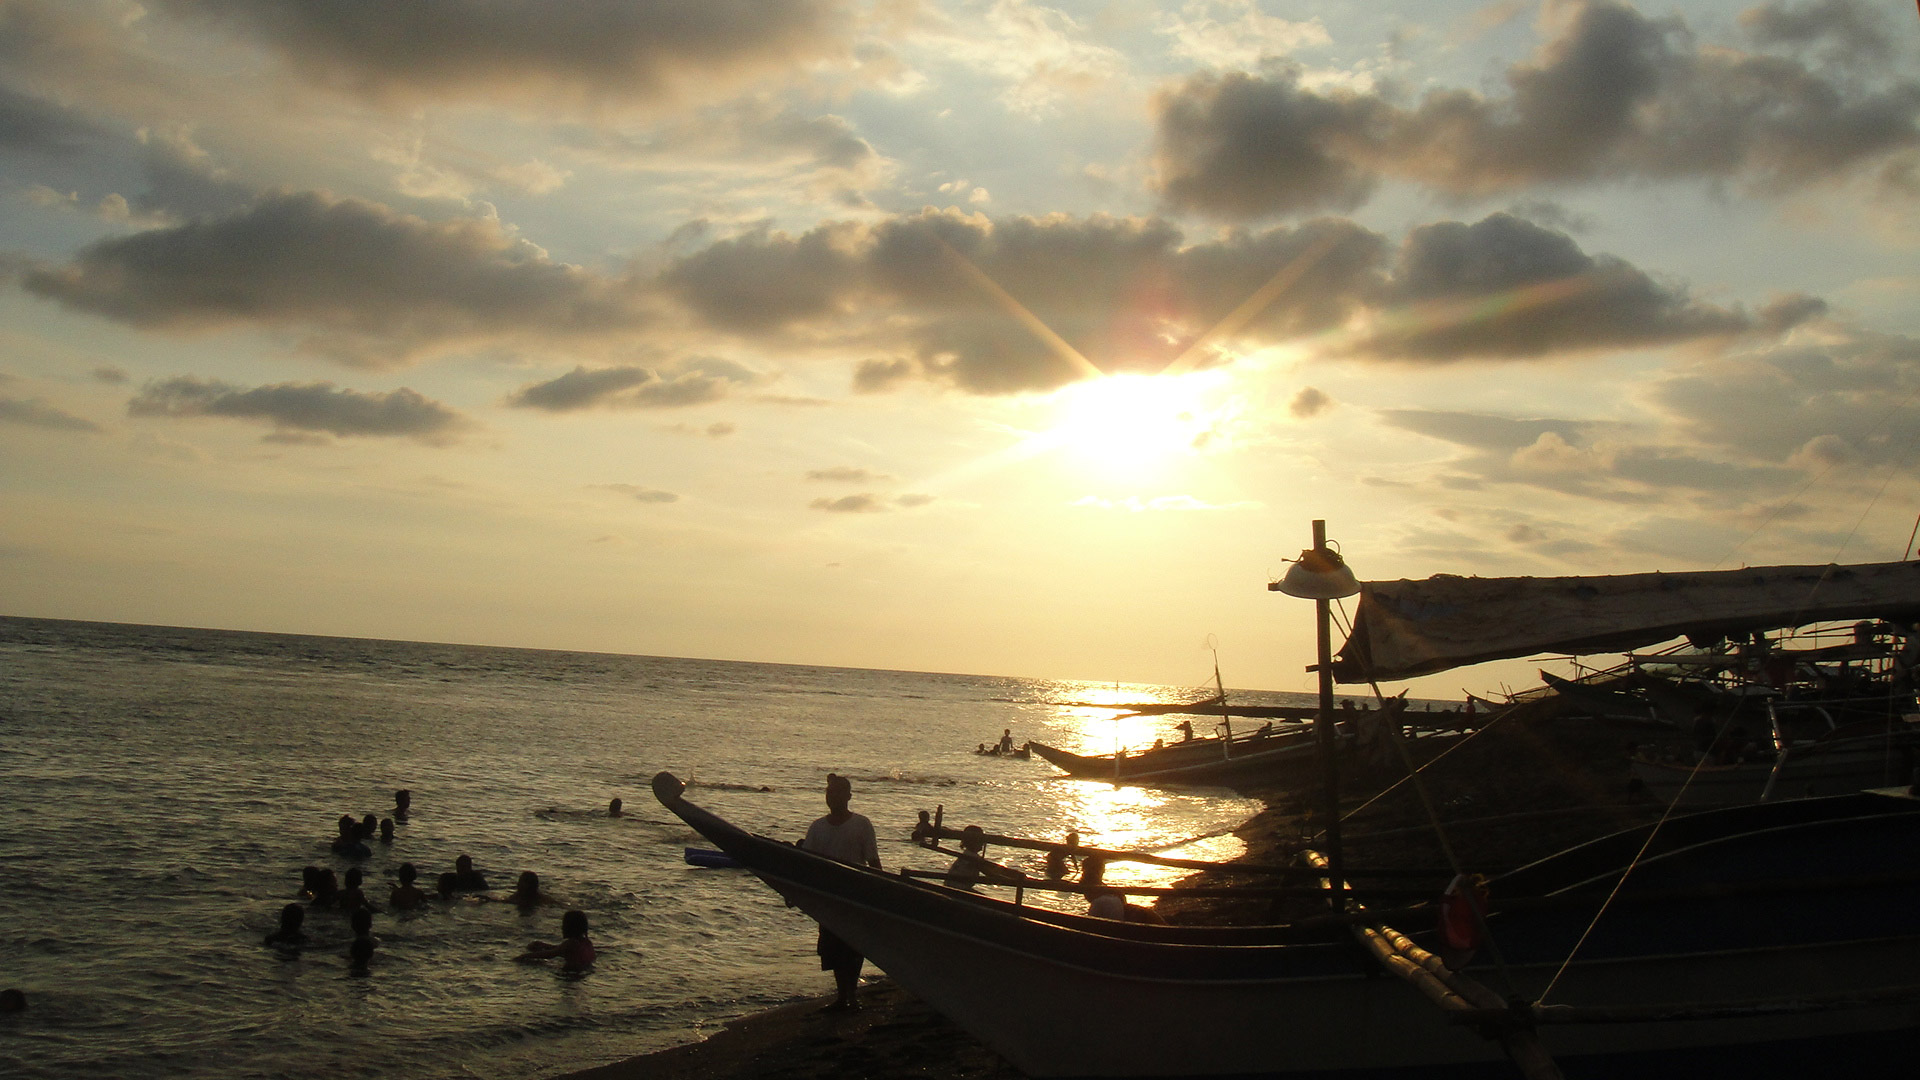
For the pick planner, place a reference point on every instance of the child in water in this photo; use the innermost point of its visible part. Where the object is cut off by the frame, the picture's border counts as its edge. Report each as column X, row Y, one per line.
column 527, row 895
column 292, row 917
column 574, row 950
column 353, row 898
column 406, row 896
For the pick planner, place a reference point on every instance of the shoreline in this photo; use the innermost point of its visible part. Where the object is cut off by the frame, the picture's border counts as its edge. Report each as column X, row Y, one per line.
column 892, row 1034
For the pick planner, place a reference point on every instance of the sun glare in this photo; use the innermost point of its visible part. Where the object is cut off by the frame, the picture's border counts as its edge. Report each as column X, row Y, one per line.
column 1133, row 421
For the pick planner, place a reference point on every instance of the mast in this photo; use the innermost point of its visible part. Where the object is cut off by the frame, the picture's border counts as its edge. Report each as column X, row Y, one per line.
column 1323, row 735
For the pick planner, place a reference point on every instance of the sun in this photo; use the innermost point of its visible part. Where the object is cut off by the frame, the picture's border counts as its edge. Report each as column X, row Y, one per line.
column 1128, row 422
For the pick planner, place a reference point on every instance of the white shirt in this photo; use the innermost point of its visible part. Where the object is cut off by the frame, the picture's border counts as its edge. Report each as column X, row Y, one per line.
column 851, row 841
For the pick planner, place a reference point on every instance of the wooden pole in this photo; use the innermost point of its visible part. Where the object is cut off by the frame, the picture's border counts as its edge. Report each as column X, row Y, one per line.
column 1324, row 734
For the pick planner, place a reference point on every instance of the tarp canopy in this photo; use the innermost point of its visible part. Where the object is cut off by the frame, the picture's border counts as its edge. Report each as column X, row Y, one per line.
column 1408, row 628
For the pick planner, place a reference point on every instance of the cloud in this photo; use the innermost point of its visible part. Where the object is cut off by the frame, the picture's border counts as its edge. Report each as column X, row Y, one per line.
column 1308, row 403
column 363, row 284
column 864, row 503
column 1845, row 31
column 37, row 413
column 1234, row 33
column 110, row 374
column 29, row 123
column 633, row 387
column 294, row 408
column 846, row 474
column 640, row 494
column 1507, row 288
column 518, row 50
column 1614, row 95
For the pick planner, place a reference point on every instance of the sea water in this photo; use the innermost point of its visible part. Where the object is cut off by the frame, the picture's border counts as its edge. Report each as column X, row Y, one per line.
column 161, row 788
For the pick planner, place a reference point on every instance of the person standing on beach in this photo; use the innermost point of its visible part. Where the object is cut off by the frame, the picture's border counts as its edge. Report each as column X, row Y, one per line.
column 847, row 837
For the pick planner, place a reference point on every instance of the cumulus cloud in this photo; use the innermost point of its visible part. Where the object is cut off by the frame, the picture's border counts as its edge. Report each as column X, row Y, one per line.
column 1234, row 33
column 309, row 408
column 589, row 50
column 641, row 494
column 1308, row 403
column 37, row 413
column 1505, row 287
column 357, row 281
column 633, row 387
column 1614, row 95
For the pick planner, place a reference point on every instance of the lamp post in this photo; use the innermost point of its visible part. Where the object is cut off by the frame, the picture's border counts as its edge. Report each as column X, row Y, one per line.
column 1321, row 576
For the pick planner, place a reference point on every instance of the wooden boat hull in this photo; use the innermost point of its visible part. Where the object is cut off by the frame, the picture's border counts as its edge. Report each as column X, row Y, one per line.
column 1838, row 767
column 1279, row 762
column 1067, row 996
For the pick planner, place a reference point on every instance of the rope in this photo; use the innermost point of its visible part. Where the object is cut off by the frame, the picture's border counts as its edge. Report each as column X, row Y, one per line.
column 1628, row 872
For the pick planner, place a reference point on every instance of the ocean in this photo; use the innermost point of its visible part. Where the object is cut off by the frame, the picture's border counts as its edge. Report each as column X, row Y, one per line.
column 161, row 789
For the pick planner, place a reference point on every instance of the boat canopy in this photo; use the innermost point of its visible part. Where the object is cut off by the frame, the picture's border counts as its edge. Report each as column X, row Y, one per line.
column 1408, row 628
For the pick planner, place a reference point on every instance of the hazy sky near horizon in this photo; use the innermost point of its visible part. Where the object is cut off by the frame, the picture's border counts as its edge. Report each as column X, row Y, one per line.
column 999, row 337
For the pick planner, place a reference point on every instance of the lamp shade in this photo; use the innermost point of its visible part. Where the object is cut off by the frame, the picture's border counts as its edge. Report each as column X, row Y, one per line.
column 1318, row 575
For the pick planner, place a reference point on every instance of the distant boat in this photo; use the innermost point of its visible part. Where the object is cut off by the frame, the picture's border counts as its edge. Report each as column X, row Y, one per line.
column 1746, row 941
column 1274, row 760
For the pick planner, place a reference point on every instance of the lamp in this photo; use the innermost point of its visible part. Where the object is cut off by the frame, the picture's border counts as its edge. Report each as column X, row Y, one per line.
column 1320, row 574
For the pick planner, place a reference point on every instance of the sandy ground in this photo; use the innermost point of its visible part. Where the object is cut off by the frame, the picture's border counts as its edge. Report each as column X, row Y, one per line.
column 892, row 1035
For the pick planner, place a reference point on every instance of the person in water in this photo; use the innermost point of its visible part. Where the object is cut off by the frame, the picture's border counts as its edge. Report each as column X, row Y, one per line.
column 386, row 830
column 324, row 887
column 362, row 922
column 847, row 837
column 292, row 918
column 406, row 896
column 352, row 897
column 966, row 869
column 13, row 1000
column 360, row 956
column 369, row 825
column 526, row 894
column 1185, row 728
column 402, row 803
column 1105, row 902
column 466, row 878
column 574, row 950
column 613, row 808
column 347, row 844
column 1006, row 741
column 446, row 885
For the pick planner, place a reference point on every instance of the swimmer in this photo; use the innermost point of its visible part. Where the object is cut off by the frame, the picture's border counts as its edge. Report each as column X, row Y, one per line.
column 352, row 897
column 326, row 888
column 406, row 896
column 291, row 918
column 613, row 808
column 574, row 950
column 307, row 874
column 386, row 830
column 359, row 956
column 347, row 844
column 446, row 885
column 467, row 879
column 367, row 827
column 526, row 895
column 402, row 802
column 12, row 1000
column 362, row 922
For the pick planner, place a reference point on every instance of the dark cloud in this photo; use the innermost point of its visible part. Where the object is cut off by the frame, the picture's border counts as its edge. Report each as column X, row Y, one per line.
column 1616, row 95
column 633, row 387
column 1507, row 288
column 641, row 494
column 1309, row 402
column 364, row 284
column 846, row 474
column 29, row 123
column 851, row 504
column 109, row 374
column 305, row 408
column 1245, row 146
column 1127, row 293
column 639, row 50
column 37, row 413
column 1845, row 30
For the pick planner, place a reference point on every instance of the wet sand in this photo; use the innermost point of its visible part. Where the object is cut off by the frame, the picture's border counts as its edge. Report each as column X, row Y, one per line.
column 893, row 1034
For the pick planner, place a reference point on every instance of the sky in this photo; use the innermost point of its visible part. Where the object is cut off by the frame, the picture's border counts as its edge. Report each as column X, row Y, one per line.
column 988, row 336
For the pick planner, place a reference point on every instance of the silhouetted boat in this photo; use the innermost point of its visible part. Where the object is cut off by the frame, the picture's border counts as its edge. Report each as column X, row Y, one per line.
column 1275, row 760
column 1759, row 938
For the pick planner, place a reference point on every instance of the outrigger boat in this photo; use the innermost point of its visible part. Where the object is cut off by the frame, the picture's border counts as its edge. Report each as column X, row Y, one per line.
column 1756, row 936
column 1772, row 939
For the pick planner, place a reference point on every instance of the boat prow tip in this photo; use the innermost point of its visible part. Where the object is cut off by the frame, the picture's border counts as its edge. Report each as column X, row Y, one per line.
column 667, row 788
